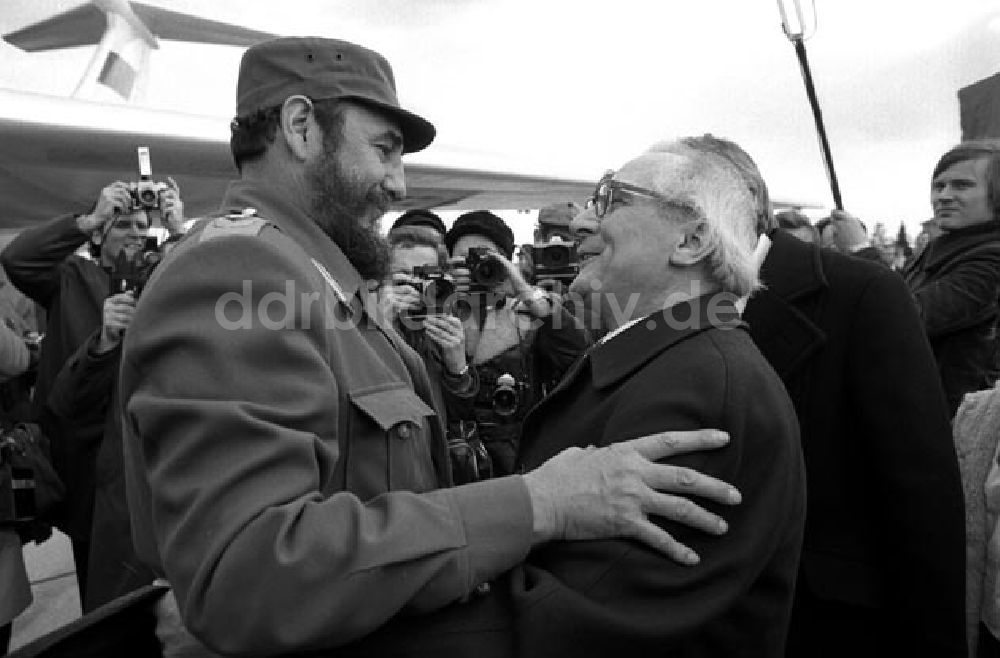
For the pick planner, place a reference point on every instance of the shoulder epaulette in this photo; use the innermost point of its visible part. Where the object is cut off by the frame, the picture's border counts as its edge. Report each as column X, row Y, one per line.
column 243, row 223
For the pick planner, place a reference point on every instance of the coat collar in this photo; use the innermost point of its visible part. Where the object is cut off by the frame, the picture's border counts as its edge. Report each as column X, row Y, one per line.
column 294, row 221
column 777, row 314
column 796, row 270
column 627, row 352
column 951, row 243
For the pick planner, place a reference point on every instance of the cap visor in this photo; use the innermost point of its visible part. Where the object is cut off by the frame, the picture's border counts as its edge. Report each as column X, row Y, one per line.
column 418, row 132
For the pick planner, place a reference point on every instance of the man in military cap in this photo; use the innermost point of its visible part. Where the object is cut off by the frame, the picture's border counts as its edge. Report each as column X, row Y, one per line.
column 287, row 471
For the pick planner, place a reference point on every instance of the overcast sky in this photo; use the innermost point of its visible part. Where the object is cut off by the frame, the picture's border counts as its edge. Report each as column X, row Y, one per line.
column 573, row 88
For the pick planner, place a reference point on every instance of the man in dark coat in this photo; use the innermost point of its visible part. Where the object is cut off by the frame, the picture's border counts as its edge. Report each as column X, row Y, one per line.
column 83, row 395
column 676, row 356
column 883, row 562
column 956, row 279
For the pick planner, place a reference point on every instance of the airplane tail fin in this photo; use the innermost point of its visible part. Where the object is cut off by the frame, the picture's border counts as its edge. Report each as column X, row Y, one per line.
column 124, row 33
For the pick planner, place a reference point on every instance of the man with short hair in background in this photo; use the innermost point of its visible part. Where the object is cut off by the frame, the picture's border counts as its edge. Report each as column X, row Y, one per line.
column 956, row 279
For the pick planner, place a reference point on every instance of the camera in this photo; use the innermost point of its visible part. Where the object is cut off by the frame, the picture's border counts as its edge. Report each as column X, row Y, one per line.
column 17, row 489
column 146, row 192
column 437, row 292
column 553, row 261
column 17, row 480
column 485, row 271
column 30, row 489
column 506, row 396
column 470, row 462
column 133, row 272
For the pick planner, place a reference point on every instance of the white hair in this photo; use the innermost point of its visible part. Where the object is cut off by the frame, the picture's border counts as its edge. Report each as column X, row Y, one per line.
column 713, row 187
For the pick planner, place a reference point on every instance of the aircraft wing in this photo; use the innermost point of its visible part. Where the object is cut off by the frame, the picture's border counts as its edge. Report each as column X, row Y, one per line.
column 172, row 25
column 58, row 153
column 86, row 25
column 81, row 26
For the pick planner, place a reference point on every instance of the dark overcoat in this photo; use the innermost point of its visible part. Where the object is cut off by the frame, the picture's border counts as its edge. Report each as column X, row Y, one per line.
column 884, row 542
column 619, row 597
column 956, row 284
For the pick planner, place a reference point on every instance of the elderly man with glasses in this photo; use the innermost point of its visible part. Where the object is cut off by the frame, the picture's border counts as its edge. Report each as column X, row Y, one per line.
column 667, row 248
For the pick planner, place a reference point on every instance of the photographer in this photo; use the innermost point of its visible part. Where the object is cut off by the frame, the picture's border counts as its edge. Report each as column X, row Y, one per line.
column 43, row 263
column 552, row 235
column 554, row 220
column 421, row 219
column 421, row 299
column 519, row 338
column 435, row 333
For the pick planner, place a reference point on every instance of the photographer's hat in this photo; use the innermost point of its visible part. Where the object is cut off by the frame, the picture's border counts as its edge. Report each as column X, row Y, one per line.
column 486, row 224
column 420, row 217
column 318, row 68
column 558, row 214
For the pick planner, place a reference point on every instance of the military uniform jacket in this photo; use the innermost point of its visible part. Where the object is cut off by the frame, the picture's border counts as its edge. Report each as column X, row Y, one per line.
column 284, row 464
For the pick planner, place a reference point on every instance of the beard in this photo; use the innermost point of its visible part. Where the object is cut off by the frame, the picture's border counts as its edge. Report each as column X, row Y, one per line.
column 348, row 211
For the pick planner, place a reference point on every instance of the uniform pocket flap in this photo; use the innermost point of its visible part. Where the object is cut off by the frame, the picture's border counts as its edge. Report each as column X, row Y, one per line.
column 388, row 407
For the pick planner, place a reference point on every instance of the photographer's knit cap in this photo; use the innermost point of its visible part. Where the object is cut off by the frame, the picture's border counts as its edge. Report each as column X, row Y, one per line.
column 420, row 217
column 486, row 224
column 558, row 214
column 318, row 68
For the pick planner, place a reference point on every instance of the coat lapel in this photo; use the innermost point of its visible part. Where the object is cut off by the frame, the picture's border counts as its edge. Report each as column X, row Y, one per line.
column 628, row 352
column 778, row 314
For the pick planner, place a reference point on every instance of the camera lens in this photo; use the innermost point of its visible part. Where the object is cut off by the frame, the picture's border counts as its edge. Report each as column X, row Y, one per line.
column 438, row 291
column 488, row 273
column 505, row 401
column 462, row 307
column 558, row 256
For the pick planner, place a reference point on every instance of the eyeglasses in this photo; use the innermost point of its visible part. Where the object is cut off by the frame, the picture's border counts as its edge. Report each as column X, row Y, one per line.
column 609, row 190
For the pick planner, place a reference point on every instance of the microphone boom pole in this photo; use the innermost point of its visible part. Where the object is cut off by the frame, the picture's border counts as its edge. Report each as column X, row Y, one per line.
column 824, row 143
